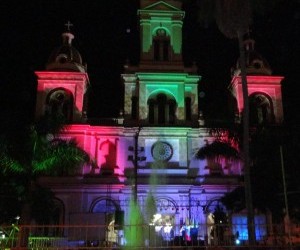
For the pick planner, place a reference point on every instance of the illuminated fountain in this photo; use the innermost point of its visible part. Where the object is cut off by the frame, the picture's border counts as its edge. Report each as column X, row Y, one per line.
column 140, row 229
column 134, row 232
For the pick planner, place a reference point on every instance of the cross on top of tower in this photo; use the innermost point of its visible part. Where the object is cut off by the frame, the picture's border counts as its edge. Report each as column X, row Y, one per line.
column 67, row 35
column 68, row 25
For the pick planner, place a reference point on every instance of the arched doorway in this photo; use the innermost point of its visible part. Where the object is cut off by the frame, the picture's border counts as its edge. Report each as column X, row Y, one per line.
column 218, row 229
column 107, row 207
column 164, row 223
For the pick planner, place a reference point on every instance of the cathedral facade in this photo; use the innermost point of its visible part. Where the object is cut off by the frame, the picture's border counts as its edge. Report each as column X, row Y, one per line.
column 150, row 148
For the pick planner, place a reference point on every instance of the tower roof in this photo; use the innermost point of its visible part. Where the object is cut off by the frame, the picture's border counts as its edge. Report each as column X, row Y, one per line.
column 166, row 5
column 66, row 57
column 256, row 64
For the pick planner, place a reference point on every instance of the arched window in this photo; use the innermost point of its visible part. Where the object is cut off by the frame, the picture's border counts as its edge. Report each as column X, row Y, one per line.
column 166, row 45
column 134, row 107
column 188, row 108
column 172, row 109
column 60, row 102
column 161, row 46
column 151, row 111
column 104, row 206
column 156, row 45
column 166, row 206
column 161, row 102
column 261, row 109
column 162, row 110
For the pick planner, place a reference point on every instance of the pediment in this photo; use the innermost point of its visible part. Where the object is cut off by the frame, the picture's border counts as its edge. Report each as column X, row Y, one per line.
column 161, row 5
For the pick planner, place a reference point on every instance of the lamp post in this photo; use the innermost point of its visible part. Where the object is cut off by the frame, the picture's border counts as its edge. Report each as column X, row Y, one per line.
column 285, row 196
column 135, row 162
column 135, row 159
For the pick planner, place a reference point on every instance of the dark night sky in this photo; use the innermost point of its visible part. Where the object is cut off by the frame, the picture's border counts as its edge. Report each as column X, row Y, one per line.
column 30, row 30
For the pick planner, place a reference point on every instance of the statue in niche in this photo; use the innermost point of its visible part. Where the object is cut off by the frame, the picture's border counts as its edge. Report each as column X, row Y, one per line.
column 108, row 150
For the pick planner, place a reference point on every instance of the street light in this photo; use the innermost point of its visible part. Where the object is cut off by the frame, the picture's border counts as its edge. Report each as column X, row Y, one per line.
column 135, row 159
column 285, row 196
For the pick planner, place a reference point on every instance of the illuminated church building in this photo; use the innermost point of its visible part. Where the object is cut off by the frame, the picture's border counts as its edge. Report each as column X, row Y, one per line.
column 157, row 134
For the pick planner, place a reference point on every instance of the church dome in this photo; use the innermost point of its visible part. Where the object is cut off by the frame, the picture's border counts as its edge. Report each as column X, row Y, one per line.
column 66, row 57
column 256, row 64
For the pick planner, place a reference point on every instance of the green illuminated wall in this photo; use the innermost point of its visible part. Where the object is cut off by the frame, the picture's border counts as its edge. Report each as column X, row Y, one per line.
column 160, row 23
column 176, row 85
column 165, row 16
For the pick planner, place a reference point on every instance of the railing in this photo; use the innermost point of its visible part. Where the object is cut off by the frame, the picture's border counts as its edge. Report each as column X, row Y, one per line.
column 62, row 237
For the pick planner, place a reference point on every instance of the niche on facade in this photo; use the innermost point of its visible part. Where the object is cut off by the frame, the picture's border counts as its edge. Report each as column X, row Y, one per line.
column 108, row 158
column 60, row 102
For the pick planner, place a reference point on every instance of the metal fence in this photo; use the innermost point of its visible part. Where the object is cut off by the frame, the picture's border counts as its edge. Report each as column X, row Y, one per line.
column 143, row 237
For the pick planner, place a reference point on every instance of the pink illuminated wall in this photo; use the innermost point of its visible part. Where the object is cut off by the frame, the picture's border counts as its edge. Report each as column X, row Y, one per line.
column 103, row 144
column 74, row 82
column 269, row 85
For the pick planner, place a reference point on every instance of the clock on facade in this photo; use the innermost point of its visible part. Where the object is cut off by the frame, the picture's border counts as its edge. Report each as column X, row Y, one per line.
column 161, row 151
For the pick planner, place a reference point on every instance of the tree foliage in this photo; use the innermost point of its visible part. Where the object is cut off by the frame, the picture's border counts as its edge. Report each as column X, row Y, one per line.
column 267, row 176
column 216, row 150
column 233, row 17
column 30, row 153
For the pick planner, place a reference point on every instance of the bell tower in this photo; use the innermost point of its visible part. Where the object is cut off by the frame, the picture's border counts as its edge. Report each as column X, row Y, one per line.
column 264, row 89
column 161, row 91
column 161, row 34
column 62, row 86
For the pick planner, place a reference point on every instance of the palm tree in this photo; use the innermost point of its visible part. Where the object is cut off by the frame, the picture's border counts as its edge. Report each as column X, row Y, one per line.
column 265, row 149
column 35, row 151
column 32, row 153
column 9, row 205
column 233, row 18
column 216, row 150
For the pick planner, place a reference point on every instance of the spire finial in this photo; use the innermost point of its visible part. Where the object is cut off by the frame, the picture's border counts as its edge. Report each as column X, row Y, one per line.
column 68, row 25
column 67, row 35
